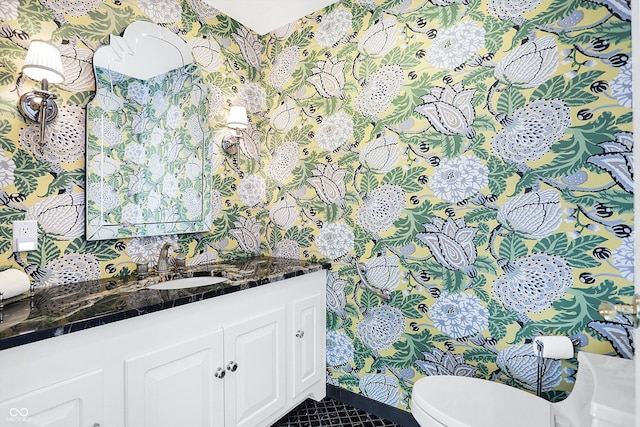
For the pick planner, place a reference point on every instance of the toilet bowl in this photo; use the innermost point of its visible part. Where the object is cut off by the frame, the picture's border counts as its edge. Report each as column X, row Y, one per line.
column 603, row 396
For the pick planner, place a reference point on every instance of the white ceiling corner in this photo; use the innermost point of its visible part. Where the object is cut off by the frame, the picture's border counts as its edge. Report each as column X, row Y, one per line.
column 263, row 16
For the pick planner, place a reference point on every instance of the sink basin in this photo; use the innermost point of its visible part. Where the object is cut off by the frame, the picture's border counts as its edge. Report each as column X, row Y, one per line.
column 188, row 282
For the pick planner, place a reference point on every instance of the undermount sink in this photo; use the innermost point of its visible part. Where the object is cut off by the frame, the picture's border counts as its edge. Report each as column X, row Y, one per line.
column 188, row 282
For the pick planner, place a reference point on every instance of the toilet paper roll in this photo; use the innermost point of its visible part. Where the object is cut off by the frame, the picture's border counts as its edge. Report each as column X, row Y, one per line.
column 13, row 282
column 555, row 347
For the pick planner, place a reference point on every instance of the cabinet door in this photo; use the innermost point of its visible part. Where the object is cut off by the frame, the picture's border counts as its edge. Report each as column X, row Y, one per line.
column 255, row 354
column 77, row 402
column 309, row 346
column 177, row 385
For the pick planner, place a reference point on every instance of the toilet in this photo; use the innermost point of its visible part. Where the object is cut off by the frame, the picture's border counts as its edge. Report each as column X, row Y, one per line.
column 603, row 396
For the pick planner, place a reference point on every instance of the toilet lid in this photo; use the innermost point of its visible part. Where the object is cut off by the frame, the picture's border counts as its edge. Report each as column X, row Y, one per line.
column 471, row 402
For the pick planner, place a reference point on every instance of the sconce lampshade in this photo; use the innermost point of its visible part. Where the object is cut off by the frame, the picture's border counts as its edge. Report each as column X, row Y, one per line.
column 237, row 118
column 43, row 61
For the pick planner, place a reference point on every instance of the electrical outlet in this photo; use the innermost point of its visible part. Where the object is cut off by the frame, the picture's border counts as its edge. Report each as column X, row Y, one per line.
column 25, row 236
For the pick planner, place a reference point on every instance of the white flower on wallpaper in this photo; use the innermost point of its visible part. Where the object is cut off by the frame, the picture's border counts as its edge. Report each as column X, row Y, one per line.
column 328, row 78
column 216, row 102
column 250, row 143
column 532, row 283
column 152, row 200
column 383, row 272
column 284, row 117
column 69, row 269
column 379, row 90
column 286, row 248
column 382, row 154
column 108, row 101
column 336, row 298
column 247, row 231
column 250, row 47
column 451, row 243
column 193, row 202
column 194, row 167
column 532, row 215
column 137, row 181
column 159, row 103
column 77, row 66
column 620, row 86
column 203, row 9
column 204, row 258
column 508, row 9
column 206, row 52
column 334, row 131
column 252, row 190
column 529, row 65
column 60, row 216
column 7, row 168
column 328, row 181
column 521, row 364
column 156, row 167
column 131, row 214
column 381, row 327
column 196, row 128
column 103, row 195
column 283, row 162
column 380, row 38
column 459, row 178
column 283, row 33
column 146, row 249
column 284, row 66
column 109, row 133
column 531, row 130
column 170, row 185
column 335, row 240
column 381, row 208
column 253, row 97
column 216, row 203
column 623, row 258
column 161, row 11
column 380, row 387
column 134, row 153
column 104, row 165
column 333, row 27
column 459, row 315
column 449, row 109
column 339, row 348
column 454, row 45
column 9, row 10
column 174, row 117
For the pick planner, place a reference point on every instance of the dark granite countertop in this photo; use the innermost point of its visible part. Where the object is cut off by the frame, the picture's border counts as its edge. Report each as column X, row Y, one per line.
column 54, row 311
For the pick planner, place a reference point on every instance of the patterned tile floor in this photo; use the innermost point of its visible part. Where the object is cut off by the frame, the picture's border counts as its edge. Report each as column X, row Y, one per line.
column 330, row 413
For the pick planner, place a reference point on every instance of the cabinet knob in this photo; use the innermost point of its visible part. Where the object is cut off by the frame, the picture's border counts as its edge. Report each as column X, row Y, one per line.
column 220, row 373
column 300, row 334
column 232, row 366
column 95, row 425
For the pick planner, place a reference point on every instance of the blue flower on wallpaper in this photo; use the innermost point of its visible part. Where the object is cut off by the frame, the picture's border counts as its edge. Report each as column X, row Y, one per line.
column 459, row 315
column 531, row 283
column 380, row 387
column 520, row 363
column 335, row 240
column 336, row 298
column 531, row 130
column 439, row 362
column 617, row 159
column 339, row 348
column 449, row 109
column 459, row 178
column 381, row 327
column 533, row 215
column 451, row 243
column 623, row 258
column 621, row 86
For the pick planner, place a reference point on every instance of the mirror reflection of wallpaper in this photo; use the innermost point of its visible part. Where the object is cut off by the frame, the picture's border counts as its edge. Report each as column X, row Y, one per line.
column 147, row 151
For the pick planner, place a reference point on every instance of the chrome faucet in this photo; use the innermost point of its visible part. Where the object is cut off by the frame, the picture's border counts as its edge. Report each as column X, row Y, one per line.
column 163, row 258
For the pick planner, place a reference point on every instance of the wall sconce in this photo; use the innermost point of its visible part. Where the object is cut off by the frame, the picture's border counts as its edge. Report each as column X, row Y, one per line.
column 237, row 120
column 43, row 64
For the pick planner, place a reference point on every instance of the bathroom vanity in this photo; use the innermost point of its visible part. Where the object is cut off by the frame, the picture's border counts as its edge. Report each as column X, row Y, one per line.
column 238, row 353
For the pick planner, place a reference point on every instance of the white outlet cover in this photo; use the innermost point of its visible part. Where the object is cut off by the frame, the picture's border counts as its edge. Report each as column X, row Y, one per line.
column 25, row 236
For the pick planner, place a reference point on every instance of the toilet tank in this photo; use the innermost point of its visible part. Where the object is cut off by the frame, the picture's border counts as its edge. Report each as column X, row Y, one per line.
column 603, row 395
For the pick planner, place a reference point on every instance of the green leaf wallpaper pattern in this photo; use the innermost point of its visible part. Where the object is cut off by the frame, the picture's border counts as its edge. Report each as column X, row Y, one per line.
column 471, row 159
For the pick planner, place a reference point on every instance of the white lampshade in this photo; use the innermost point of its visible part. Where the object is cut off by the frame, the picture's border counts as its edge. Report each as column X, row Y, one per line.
column 237, row 118
column 43, row 61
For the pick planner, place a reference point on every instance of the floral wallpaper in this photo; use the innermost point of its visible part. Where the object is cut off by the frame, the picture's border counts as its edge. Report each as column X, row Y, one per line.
column 470, row 161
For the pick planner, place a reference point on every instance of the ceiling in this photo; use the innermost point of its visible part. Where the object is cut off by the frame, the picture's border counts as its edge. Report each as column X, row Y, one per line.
column 263, row 16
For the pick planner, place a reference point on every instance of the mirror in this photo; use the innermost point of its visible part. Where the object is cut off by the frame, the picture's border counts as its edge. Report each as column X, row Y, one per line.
column 149, row 143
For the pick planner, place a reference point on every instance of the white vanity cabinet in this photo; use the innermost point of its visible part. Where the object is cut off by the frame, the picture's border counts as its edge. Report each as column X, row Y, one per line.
column 239, row 360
